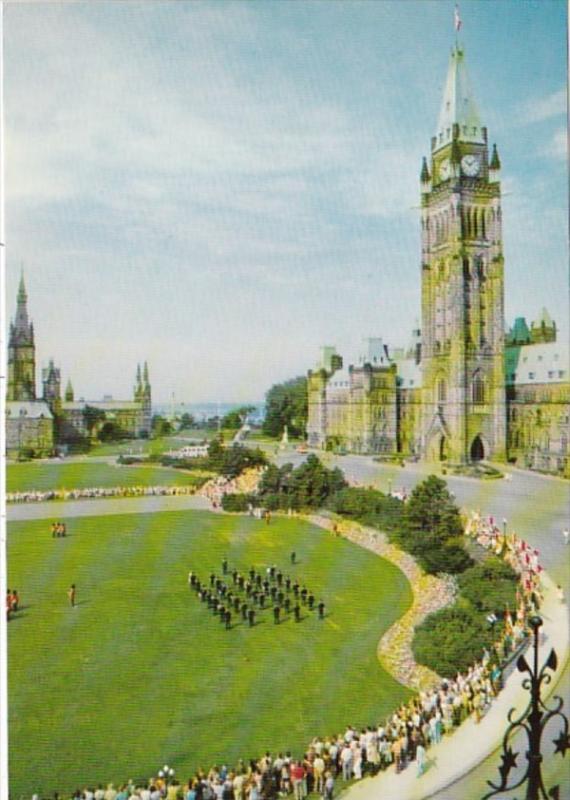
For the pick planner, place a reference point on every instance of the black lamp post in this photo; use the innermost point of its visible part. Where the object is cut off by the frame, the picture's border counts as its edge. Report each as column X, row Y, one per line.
column 533, row 720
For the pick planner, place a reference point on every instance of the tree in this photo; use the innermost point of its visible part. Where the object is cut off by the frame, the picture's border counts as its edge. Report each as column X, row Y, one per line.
column 161, row 426
column 286, row 404
column 111, row 432
column 431, row 513
column 235, row 418
column 307, row 486
column 451, row 640
column 92, row 416
column 187, row 421
column 490, row 586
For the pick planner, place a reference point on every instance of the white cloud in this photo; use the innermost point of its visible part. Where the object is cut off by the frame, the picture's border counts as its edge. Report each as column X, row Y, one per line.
column 557, row 147
column 542, row 108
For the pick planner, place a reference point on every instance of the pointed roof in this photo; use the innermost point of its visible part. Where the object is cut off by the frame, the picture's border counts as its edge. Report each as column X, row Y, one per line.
column 21, row 330
column 495, row 160
column 544, row 318
column 22, row 294
column 458, row 106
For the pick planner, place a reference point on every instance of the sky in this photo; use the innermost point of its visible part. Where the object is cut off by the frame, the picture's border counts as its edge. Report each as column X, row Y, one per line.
column 220, row 188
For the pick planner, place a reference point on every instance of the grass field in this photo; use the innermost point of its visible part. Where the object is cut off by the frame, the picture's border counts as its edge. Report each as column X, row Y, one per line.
column 86, row 474
column 140, row 673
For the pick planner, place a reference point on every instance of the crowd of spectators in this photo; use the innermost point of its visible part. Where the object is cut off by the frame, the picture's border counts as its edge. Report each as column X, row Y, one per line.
column 35, row 496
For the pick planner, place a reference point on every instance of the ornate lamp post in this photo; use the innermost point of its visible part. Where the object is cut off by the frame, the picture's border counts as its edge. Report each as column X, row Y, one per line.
column 165, row 774
column 533, row 720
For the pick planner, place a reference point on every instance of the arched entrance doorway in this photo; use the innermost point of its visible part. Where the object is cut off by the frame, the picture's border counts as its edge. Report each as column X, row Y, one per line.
column 477, row 449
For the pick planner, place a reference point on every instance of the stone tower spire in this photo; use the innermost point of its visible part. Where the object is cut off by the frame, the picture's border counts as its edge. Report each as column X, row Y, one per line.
column 138, row 385
column 463, row 394
column 21, row 351
column 146, row 382
column 459, row 112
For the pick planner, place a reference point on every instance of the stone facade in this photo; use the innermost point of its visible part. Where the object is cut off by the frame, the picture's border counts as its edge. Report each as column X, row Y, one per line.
column 459, row 393
column 37, row 427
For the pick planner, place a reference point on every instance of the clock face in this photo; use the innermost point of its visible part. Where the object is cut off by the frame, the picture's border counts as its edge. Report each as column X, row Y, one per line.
column 445, row 169
column 470, row 165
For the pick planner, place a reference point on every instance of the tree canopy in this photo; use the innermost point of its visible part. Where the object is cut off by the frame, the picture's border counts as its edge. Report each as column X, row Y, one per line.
column 286, row 404
column 235, row 418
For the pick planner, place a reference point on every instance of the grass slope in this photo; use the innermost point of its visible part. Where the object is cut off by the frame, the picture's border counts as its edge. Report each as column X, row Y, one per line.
column 84, row 475
column 140, row 673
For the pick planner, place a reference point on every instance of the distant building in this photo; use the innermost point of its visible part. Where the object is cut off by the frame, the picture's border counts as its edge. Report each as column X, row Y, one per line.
column 36, row 427
column 464, row 390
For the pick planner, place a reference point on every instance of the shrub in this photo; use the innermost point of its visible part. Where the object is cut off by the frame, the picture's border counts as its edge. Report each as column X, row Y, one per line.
column 451, row 558
column 451, row 640
column 490, row 586
column 368, row 506
column 236, row 502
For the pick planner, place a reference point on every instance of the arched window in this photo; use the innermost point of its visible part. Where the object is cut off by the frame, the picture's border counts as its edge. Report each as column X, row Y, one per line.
column 466, row 273
column 483, row 226
column 441, row 391
column 478, row 389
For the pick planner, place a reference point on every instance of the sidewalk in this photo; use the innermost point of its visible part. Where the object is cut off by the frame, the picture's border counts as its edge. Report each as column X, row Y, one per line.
column 460, row 752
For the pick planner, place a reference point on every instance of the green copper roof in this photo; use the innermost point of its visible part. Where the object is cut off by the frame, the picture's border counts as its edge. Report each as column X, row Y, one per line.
column 495, row 160
column 458, row 105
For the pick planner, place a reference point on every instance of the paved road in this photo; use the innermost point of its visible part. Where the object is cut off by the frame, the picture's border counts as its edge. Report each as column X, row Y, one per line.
column 537, row 507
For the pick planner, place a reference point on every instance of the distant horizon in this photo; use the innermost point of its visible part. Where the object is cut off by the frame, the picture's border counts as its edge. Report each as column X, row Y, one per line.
column 221, row 188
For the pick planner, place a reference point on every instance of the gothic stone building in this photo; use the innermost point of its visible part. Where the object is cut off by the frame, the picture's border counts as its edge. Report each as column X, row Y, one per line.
column 463, row 391
column 36, row 426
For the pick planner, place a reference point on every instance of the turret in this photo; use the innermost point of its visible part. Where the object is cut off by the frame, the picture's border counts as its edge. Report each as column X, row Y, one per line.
column 494, row 165
column 69, row 394
column 21, row 352
column 51, row 380
column 425, row 177
column 146, row 383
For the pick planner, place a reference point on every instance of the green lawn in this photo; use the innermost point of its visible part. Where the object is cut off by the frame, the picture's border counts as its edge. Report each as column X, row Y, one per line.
column 86, row 474
column 155, row 446
column 140, row 673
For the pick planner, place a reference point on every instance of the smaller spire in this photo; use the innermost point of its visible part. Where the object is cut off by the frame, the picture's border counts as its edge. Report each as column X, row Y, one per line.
column 22, row 294
column 495, row 160
column 425, row 177
column 69, row 394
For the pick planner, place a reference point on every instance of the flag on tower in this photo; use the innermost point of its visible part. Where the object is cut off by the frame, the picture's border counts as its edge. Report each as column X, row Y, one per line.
column 457, row 19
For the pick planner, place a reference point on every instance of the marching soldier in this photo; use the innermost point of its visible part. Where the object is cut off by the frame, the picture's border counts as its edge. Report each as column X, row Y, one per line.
column 244, row 610
column 251, row 617
column 311, row 600
column 321, row 607
column 276, row 613
column 297, row 612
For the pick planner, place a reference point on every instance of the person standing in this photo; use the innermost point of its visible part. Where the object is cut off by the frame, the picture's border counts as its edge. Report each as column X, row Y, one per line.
column 71, row 593
column 276, row 614
column 15, row 600
column 8, row 603
column 293, row 557
column 420, row 758
column 297, row 612
column 251, row 617
column 321, row 609
column 244, row 610
column 311, row 600
column 228, row 620
column 225, row 566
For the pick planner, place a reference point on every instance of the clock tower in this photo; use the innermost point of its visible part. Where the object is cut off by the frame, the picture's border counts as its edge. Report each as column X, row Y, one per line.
column 463, row 387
